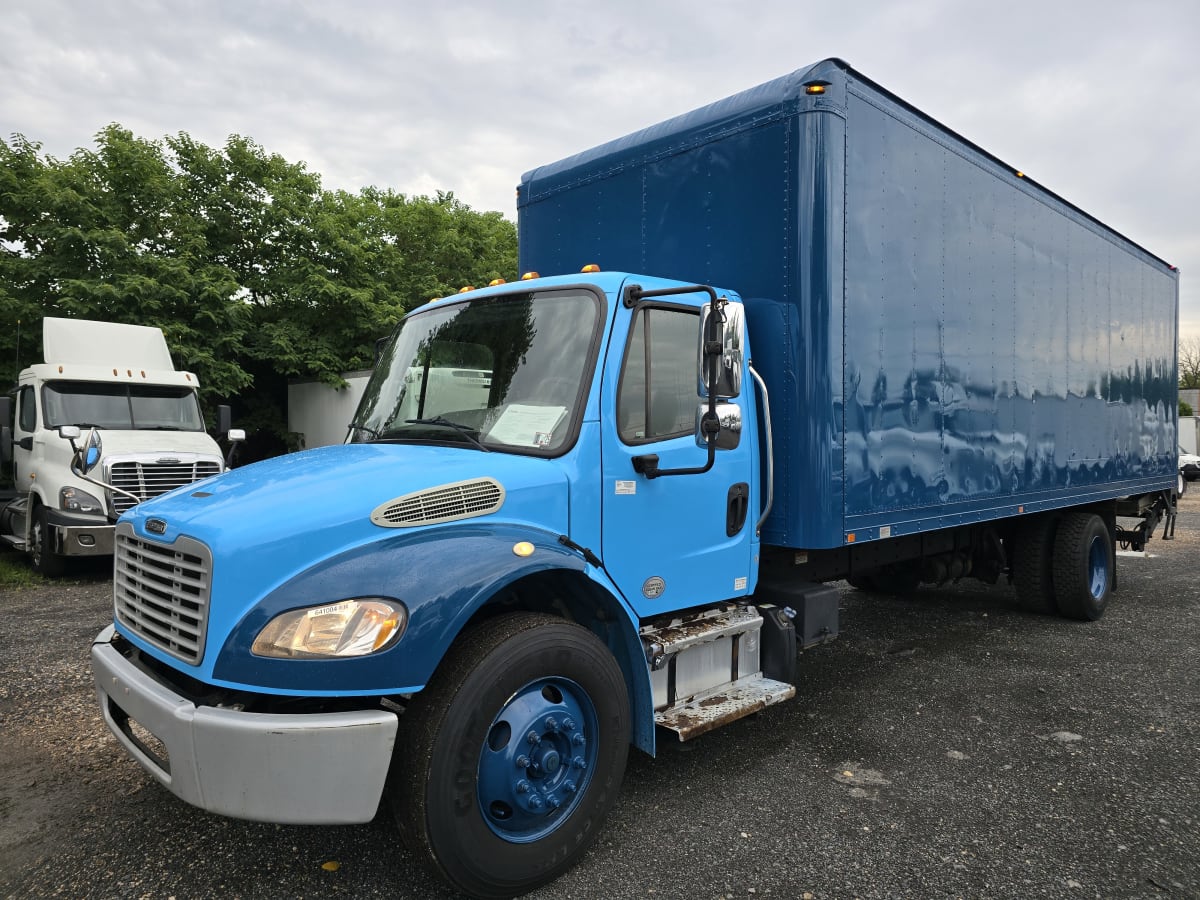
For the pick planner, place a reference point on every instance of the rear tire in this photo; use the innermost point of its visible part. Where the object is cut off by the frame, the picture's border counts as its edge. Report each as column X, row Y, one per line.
column 862, row 582
column 1083, row 566
column 508, row 762
column 1033, row 565
column 898, row 579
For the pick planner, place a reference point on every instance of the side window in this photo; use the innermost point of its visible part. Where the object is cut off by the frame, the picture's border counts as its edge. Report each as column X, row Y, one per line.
column 27, row 417
column 657, row 398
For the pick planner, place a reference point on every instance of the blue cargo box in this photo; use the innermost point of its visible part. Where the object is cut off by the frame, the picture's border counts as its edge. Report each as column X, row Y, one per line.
column 945, row 341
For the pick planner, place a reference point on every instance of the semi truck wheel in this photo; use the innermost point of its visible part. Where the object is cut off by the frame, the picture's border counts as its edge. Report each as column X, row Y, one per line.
column 41, row 552
column 1083, row 566
column 508, row 762
column 1032, row 564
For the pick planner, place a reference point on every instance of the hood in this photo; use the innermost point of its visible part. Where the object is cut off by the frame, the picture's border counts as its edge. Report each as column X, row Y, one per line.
column 158, row 443
column 266, row 522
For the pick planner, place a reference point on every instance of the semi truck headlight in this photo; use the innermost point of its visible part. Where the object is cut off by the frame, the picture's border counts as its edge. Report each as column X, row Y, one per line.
column 347, row 628
column 78, row 501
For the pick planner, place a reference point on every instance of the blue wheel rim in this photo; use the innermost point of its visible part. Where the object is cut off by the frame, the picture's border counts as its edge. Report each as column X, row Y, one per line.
column 537, row 760
column 1098, row 567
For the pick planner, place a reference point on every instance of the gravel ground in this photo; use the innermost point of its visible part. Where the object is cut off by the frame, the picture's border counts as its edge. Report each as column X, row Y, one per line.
column 945, row 746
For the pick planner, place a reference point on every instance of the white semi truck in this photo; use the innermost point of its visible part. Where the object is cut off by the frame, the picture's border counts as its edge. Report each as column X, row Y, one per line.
column 114, row 386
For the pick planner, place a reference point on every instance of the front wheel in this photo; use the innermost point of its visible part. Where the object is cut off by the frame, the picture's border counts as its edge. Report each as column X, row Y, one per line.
column 41, row 546
column 508, row 762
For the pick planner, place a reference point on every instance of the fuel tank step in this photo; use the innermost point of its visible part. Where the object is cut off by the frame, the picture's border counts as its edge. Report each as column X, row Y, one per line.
column 722, row 705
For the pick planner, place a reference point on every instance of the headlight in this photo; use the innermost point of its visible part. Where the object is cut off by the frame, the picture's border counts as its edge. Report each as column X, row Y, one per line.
column 79, row 501
column 347, row 628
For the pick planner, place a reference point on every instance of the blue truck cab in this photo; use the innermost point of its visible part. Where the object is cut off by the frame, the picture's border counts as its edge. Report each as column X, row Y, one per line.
column 582, row 511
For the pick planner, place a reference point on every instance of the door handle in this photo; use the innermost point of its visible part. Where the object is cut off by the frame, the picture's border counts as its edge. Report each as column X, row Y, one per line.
column 736, row 506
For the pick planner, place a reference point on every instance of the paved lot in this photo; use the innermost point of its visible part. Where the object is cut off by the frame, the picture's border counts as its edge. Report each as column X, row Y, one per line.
column 947, row 746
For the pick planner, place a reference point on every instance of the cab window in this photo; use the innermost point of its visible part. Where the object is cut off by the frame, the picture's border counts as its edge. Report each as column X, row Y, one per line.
column 658, row 395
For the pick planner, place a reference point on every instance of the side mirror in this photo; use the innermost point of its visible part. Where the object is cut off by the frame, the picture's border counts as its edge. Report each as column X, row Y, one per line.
column 69, row 432
column 235, row 436
column 6, row 410
column 224, row 418
column 733, row 342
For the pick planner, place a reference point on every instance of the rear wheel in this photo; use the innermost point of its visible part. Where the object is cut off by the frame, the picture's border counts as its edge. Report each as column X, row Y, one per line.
column 508, row 762
column 41, row 546
column 1083, row 566
column 898, row 579
column 1032, row 551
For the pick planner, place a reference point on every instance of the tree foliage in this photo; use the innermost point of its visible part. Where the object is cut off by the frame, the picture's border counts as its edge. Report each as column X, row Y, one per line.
column 1189, row 362
column 255, row 273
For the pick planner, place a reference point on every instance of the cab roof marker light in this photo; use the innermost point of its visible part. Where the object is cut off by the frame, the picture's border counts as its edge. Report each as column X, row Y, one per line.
column 496, row 281
column 467, row 289
column 529, row 276
column 589, row 268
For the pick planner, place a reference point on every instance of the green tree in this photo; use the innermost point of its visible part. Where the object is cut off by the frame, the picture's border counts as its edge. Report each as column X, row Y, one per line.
column 255, row 273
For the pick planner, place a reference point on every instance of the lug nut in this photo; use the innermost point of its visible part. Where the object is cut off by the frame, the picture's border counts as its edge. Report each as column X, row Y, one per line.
column 570, row 787
column 568, row 724
column 553, row 802
column 551, row 723
column 577, row 739
column 522, row 786
column 522, row 762
column 532, row 737
column 579, row 763
column 536, row 802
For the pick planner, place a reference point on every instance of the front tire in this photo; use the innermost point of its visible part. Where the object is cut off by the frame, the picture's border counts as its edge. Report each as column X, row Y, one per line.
column 41, row 551
column 1083, row 566
column 508, row 762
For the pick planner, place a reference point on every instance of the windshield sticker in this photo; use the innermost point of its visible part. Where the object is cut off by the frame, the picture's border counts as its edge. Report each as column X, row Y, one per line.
column 523, row 425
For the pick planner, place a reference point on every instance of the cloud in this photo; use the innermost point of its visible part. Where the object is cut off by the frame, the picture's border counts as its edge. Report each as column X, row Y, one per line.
column 1099, row 101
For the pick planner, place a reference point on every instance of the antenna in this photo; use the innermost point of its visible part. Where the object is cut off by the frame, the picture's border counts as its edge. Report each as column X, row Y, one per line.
column 17, row 358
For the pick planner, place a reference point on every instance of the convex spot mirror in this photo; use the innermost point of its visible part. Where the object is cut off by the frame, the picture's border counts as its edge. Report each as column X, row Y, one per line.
column 730, row 417
column 729, row 368
column 87, row 454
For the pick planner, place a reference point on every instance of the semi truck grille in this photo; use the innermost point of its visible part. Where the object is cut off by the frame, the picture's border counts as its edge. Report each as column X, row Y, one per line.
column 446, row 503
column 149, row 479
column 161, row 592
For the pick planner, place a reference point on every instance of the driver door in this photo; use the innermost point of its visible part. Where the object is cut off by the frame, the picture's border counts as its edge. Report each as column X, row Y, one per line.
column 671, row 542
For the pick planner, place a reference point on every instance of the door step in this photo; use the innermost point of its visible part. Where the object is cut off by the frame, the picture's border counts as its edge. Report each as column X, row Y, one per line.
column 722, row 705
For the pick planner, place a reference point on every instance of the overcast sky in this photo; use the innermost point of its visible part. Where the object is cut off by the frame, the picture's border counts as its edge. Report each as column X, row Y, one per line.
column 1096, row 99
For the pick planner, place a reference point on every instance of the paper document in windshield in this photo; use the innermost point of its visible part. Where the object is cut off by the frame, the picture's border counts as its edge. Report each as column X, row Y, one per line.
column 522, row 425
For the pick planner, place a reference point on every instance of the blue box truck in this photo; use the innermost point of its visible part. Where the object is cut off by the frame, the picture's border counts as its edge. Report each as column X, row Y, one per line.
column 831, row 340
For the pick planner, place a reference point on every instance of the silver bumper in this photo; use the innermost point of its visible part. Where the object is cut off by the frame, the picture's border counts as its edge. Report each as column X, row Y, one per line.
column 84, row 540
column 326, row 768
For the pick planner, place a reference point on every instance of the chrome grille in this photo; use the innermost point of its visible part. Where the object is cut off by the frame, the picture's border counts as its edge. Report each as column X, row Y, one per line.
column 161, row 592
column 447, row 503
column 146, row 479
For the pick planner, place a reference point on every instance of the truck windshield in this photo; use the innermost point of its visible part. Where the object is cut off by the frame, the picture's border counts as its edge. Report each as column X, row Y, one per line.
column 505, row 372
column 122, row 406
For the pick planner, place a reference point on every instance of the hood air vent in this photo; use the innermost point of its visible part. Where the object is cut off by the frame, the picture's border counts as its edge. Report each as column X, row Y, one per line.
column 446, row 503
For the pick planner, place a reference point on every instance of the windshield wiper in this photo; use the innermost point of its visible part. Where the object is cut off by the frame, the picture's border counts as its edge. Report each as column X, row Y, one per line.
column 465, row 430
column 371, row 431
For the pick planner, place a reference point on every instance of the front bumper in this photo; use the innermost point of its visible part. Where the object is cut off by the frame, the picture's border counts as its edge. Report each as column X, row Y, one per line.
column 77, row 534
column 319, row 768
